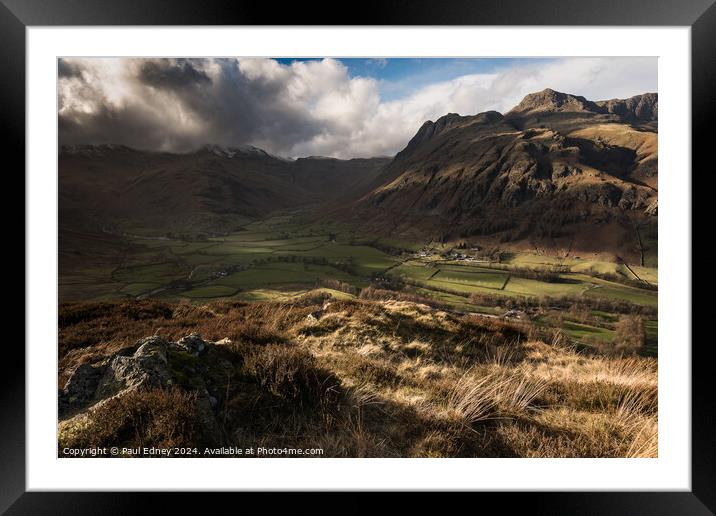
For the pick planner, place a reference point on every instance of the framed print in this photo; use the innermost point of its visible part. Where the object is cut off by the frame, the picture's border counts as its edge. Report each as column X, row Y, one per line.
column 425, row 251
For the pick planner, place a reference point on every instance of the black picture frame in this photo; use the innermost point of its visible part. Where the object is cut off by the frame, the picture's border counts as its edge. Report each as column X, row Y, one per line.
column 700, row 15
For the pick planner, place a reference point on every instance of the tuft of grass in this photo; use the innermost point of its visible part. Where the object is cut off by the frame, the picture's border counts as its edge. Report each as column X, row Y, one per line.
column 637, row 414
column 293, row 374
column 493, row 395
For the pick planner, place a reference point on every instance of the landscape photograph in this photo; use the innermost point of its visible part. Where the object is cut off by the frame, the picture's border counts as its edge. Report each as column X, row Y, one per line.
column 357, row 257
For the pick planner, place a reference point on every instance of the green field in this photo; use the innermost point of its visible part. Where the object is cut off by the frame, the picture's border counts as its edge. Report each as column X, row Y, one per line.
column 583, row 265
column 150, row 273
column 652, row 336
column 263, row 275
column 414, row 270
column 470, row 279
column 210, row 291
column 623, row 293
column 488, row 279
column 136, row 289
column 280, row 252
column 281, row 295
column 580, row 331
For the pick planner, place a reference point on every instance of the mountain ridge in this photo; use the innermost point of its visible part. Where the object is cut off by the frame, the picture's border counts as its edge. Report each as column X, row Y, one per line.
column 556, row 170
column 226, row 151
column 210, row 189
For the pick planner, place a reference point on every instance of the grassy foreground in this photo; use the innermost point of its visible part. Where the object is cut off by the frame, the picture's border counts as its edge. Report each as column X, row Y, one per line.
column 366, row 378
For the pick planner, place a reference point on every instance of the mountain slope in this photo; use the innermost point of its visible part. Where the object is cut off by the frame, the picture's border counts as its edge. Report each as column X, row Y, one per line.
column 556, row 171
column 211, row 190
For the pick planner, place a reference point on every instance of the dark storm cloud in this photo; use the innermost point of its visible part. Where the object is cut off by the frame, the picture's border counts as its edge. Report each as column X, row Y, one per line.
column 171, row 74
column 131, row 126
column 254, row 109
column 178, row 105
column 66, row 69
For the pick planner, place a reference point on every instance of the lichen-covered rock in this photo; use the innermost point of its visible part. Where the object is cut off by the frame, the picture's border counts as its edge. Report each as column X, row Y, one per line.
column 191, row 366
column 146, row 367
column 80, row 388
column 192, row 343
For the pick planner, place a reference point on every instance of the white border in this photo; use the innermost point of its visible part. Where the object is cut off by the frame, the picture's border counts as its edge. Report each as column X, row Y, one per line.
column 671, row 471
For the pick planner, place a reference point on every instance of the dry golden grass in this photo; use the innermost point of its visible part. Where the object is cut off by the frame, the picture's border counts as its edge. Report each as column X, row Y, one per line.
column 643, row 142
column 153, row 417
column 380, row 379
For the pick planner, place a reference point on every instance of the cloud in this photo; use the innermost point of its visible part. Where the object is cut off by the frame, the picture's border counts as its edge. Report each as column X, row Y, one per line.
column 303, row 108
column 172, row 74
column 379, row 62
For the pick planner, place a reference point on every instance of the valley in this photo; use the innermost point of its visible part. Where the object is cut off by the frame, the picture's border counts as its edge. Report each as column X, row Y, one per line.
column 287, row 254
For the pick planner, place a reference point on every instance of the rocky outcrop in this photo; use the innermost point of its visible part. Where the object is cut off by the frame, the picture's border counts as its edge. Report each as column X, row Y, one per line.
column 550, row 100
column 637, row 108
column 80, row 388
column 641, row 108
column 191, row 364
column 430, row 129
column 193, row 344
column 147, row 367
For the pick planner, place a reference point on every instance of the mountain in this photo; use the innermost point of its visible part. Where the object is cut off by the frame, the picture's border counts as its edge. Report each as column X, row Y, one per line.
column 556, row 171
column 212, row 189
column 640, row 107
column 550, row 101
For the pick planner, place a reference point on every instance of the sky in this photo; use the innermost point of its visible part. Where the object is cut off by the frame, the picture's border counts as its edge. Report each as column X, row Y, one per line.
column 344, row 108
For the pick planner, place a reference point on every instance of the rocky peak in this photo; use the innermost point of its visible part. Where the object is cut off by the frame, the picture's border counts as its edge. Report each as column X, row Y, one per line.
column 230, row 152
column 551, row 100
column 643, row 107
column 92, row 150
column 447, row 122
column 430, row 129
